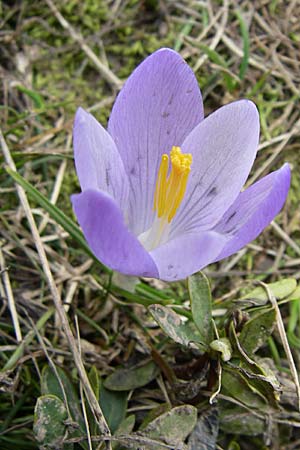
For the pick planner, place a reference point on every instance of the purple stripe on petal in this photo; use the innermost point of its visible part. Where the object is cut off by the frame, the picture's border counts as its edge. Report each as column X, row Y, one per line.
column 98, row 163
column 157, row 108
column 103, row 226
column 185, row 255
column 253, row 210
column 223, row 146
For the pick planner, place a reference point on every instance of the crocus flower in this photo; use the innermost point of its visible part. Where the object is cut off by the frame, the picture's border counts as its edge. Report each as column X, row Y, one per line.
column 161, row 188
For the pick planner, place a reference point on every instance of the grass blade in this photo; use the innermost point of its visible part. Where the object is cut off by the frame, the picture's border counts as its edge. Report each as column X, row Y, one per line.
column 246, row 45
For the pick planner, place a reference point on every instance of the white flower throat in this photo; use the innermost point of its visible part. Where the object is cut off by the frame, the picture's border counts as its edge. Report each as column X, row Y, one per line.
column 168, row 195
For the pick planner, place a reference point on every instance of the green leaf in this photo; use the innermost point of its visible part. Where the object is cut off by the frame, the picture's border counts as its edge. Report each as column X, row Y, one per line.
column 50, row 384
column 266, row 384
column 125, row 427
column 113, row 405
column 237, row 420
column 154, row 413
column 174, row 426
column 49, row 426
column 246, row 45
column 35, row 96
column 294, row 317
column 201, row 305
column 220, row 61
column 222, row 346
column 257, row 372
column 56, row 214
column 237, row 387
column 175, row 327
column 94, row 381
column 205, row 433
column 135, row 377
column 280, row 290
column 256, row 331
column 295, row 295
column 186, row 29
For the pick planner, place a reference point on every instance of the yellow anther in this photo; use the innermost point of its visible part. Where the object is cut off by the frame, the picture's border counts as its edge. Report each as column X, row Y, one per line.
column 161, row 185
column 170, row 190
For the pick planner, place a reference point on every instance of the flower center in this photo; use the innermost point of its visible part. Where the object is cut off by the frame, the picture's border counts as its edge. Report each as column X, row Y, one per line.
column 169, row 192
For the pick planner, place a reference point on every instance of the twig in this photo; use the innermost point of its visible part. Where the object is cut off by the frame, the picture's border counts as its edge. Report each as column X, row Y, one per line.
column 254, row 62
column 130, row 440
column 81, row 392
column 275, row 153
column 273, row 140
column 228, row 265
column 109, row 76
column 70, row 294
column 218, row 36
column 285, row 237
column 10, row 298
column 99, row 417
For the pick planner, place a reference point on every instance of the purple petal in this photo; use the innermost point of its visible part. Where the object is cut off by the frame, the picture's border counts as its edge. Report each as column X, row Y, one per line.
column 157, row 108
column 98, row 163
column 224, row 146
column 103, row 226
column 185, row 255
column 253, row 210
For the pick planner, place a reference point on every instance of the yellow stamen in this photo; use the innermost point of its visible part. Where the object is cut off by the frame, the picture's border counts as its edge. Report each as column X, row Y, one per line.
column 161, row 185
column 170, row 190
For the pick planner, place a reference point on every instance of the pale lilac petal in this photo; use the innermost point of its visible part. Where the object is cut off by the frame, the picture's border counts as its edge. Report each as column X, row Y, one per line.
column 157, row 108
column 185, row 255
column 223, row 146
column 98, row 163
column 253, row 210
column 103, row 226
